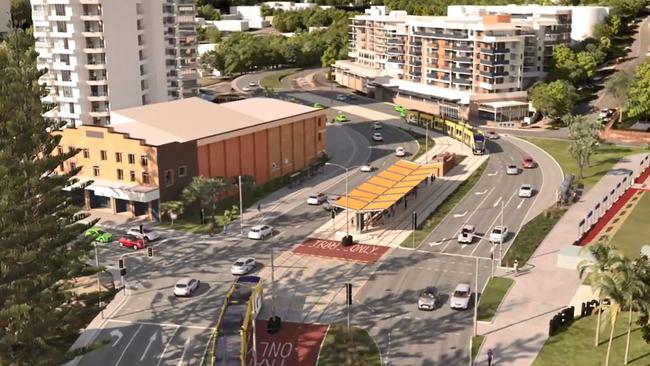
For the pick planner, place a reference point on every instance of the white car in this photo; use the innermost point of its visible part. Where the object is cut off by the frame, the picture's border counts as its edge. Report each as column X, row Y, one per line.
column 259, row 232
column 316, row 199
column 341, row 98
column 466, row 234
column 498, row 234
column 252, row 84
column 366, row 168
column 512, row 169
column 400, row 151
column 246, row 89
column 377, row 136
column 492, row 135
column 185, row 286
column 526, row 190
column 460, row 297
column 147, row 234
column 243, row 266
column 377, row 125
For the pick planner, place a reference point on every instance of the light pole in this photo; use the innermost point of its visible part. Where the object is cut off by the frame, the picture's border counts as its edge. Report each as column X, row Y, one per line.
column 99, row 286
column 476, row 299
column 241, row 209
column 426, row 144
column 347, row 208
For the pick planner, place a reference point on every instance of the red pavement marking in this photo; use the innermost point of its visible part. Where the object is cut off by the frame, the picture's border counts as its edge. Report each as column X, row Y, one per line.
column 643, row 177
column 607, row 217
column 334, row 250
column 296, row 344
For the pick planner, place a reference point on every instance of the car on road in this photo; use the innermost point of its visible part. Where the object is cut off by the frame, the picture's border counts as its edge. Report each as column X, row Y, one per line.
column 186, row 286
column 243, row 266
column 316, row 199
column 400, row 109
column 400, row 151
column 341, row 118
column 498, row 234
column 492, row 135
column 246, row 89
column 529, row 163
column 259, row 232
column 377, row 125
column 99, row 235
column 466, row 234
column 512, row 169
column 460, row 297
column 252, row 84
column 366, row 168
column 132, row 241
column 377, row 136
column 526, row 190
column 341, row 98
column 146, row 234
column 428, row 299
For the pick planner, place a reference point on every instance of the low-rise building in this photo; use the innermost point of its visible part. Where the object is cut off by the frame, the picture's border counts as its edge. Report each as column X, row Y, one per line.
column 150, row 153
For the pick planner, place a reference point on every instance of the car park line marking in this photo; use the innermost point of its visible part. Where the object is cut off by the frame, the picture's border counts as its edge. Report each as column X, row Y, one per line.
column 146, row 349
column 481, row 193
column 128, row 344
column 116, row 333
column 162, row 355
column 493, row 174
column 158, row 324
column 460, row 215
column 520, row 204
column 497, row 202
column 187, row 343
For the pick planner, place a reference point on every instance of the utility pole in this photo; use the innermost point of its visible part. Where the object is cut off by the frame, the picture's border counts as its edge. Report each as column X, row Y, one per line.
column 241, row 209
column 99, row 285
column 426, row 144
column 476, row 299
column 272, row 284
column 502, row 237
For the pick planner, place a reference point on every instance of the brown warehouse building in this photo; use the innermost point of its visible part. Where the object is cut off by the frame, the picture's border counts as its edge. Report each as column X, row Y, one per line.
column 150, row 153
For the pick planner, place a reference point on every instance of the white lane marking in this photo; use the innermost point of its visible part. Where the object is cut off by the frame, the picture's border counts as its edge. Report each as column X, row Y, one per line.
column 497, row 217
column 493, row 174
column 162, row 355
column 159, row 324
column 435, row 243
column 520, row 204
column 146, row 349
column 460, row 215
column 128, row 344
column 116, row 333
column 187, row 343
column 481, row 193
column 497, row 202
column 463, row 246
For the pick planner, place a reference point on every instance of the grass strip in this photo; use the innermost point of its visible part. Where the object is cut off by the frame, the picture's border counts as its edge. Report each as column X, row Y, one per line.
column 354, row 348
column 531, row 235
column 477, row 341
column 422, row 144
column 273, row 80
column 431, row 222
column 491, row 297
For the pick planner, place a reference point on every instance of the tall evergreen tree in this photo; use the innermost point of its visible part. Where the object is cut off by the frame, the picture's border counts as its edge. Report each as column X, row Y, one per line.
column 40, row 246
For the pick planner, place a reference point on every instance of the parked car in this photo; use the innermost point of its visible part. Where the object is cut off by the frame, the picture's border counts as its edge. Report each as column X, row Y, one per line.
column 400, row 109
column 131, row 241
column 252, row 84
column 366, row 168
column 341, row 98
column 498, row 234
column 428, row 299
column 529, row 163
column 526, row 190
column 512, row 169
column 243, row 266
column 259, row 232
column 466, row 234
column 460, row 297
column 99, row 235
column 186, row 286
column 316, row 199
column 400, row 151
column 341, row 118
column 146, row 234
column 318, row 105
column 377, row 125
column 246, row 89
column 492, row 135
column 377, row 137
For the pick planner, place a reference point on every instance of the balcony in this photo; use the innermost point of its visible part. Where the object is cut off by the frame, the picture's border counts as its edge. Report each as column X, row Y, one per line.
column 463, row 48
column 494, row 62
column 415, row 43
column 415, row 63
column 395, row 41
column 493, row 74
column 462, row 59
column 98, row 97
column 394, row 51
column 434, row 76
column 495, row 50
column 415, row 72
column 462, row 81
column 462, row 70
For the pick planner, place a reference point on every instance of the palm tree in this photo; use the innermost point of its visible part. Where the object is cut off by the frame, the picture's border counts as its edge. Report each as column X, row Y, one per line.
column 205, row 191
column 173, row 209
column 604, row 257
column 634, row 285
column 611, row 286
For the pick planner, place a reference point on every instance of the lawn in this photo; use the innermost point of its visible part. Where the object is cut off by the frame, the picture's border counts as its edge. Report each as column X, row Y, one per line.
column 575, row 345
column 602, row 161
column 635, row 230
column 272, row 80
column 354, row 348
column 531, row 235
column 477, row 341
column 422, row 144
column 443, row 210
column 491, row 297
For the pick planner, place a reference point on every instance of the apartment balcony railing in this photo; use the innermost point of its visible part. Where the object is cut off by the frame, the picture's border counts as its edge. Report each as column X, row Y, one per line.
column 462, row 59
column 415, row 72
column 415, row 63
column 493, row 74
column 462, row 70
column 444, row 77
column 462, row 81
column 394, row 41
column 494, row 62
column 394, row 51
column 495, row 50
column 463, row 48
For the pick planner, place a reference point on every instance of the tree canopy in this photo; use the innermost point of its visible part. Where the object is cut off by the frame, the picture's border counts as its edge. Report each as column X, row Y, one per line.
column 554, row 99
column 638, row 98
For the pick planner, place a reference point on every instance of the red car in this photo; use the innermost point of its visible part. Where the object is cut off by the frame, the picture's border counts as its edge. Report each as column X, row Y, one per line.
column 529, row 163
column 131, row 241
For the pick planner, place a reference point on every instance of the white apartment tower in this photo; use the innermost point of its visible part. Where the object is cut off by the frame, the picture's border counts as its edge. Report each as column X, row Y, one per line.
column 104, row 55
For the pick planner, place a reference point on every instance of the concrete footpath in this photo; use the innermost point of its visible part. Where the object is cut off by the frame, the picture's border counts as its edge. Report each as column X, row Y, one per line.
column 520, row 326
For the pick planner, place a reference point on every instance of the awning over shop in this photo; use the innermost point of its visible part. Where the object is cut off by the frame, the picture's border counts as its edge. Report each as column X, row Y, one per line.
column 120, row 190
column 386, row 188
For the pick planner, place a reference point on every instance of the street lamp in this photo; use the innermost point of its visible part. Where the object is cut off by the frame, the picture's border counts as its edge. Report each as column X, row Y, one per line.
column 347, row 209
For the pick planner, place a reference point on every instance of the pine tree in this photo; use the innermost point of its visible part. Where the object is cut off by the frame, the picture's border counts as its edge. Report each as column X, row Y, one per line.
column 40, row 245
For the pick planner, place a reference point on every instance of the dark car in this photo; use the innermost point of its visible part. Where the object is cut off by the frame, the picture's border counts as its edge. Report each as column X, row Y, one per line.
column 131, row 241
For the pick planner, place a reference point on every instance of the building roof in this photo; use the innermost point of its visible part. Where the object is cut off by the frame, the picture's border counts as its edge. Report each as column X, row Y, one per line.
column 439, row 92
column 504, row 104
column 194, row 118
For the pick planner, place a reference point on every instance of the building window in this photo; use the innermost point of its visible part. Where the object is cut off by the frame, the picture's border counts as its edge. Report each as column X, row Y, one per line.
column 182, row 171
column 320, row 137
column 86, row 154
column 118, row 157
column 59, row 150
column 169, row 177
column 103, row 154
column 132, row 176
column 131, row 159
column 95, row 171
column 73, row 166
column 144, row 160
column 120, row 174
column 145, row 178
column 71, row 148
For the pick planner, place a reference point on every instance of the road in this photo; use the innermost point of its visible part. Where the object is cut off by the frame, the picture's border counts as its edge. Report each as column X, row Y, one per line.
column 155, row 328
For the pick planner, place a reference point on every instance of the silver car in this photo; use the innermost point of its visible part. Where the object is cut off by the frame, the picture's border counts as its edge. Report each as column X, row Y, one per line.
column 428, row 299
column 460, row 297
column 243, row 266
column 512, row 169
column 186, row 286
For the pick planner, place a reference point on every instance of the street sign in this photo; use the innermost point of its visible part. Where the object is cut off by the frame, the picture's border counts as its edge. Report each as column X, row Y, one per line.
column 348, row 290
column 414, row 220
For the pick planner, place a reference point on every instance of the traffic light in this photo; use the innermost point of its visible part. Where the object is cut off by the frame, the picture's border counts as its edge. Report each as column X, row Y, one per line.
column 120, row 263
column 150, row 251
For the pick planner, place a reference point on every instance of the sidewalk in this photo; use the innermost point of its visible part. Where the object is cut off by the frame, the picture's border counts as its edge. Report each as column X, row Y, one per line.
column 520, row 326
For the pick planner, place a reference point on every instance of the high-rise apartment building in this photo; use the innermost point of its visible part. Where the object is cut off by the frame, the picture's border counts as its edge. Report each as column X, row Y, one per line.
column 103, row 55
column 475, row 63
